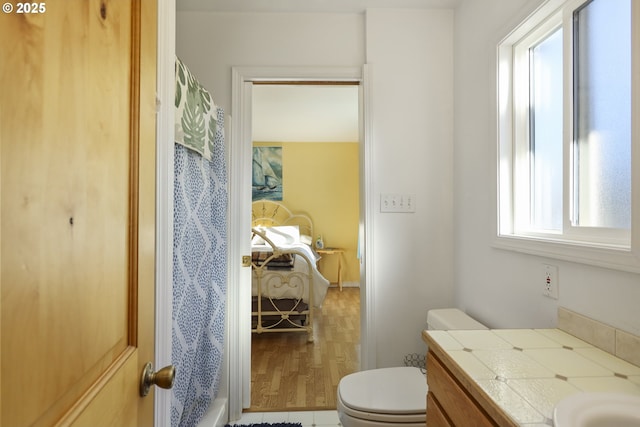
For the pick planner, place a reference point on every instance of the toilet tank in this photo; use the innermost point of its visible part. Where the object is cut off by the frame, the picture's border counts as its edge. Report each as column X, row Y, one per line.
column 451, row 318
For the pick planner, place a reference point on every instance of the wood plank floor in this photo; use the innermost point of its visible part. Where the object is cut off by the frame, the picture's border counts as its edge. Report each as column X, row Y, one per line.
column 289, row 374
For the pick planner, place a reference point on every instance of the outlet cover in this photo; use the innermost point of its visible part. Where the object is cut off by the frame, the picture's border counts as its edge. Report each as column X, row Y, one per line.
column 550, row 281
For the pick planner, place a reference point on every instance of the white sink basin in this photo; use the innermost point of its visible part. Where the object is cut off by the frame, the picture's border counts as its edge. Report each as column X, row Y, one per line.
column 598, row 410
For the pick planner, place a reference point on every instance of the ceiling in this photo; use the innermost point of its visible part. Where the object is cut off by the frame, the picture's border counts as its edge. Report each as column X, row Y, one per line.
column 322, row 6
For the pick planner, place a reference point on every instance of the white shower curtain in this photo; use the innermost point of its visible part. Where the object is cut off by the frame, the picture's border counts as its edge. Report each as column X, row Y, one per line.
column 199, row 275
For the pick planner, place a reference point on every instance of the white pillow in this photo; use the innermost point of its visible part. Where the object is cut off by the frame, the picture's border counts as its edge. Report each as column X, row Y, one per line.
column 307, row 240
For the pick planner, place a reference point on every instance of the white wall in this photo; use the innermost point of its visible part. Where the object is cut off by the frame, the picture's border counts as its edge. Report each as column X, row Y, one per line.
column 412, row 69
column 410, row 53
column 418, row 256
column 501, row 288
column 211, row 43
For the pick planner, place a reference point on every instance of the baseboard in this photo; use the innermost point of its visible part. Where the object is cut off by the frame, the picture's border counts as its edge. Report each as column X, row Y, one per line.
column 350, row 284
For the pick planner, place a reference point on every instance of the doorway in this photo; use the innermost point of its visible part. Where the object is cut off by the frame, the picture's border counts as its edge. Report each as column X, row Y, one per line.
column 240, row 208
column 314, row 127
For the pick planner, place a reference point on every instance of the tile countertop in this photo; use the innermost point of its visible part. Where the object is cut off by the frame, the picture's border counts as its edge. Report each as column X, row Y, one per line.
column 526, row 372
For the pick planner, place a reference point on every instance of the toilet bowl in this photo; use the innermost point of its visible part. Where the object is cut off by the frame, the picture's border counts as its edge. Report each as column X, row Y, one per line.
column 392, row 396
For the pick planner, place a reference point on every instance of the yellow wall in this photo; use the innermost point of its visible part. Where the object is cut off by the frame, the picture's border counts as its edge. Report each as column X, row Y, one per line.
column 322, row 180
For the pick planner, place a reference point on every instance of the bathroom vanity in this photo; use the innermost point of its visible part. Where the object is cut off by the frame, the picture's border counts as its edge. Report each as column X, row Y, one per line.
column 514, row 377
column 449, row 400
column 453, row 398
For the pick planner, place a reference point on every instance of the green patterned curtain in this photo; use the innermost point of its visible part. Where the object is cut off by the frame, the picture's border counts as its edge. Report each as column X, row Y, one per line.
column 195, row 125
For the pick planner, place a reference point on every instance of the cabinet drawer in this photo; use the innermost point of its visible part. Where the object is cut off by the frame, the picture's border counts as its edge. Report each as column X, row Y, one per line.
column 435, row 415
column 458, row 406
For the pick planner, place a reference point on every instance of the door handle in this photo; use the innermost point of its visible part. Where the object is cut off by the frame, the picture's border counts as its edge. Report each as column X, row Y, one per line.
column 163, row 378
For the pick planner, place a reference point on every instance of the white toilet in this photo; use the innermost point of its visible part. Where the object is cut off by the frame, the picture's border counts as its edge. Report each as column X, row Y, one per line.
column 393, row 396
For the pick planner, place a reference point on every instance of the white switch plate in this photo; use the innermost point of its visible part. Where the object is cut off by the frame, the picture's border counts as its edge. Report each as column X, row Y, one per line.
column 397, row 203
column 550, row 281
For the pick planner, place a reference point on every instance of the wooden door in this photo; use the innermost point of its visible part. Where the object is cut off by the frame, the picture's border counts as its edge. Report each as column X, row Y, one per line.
column 77, row 152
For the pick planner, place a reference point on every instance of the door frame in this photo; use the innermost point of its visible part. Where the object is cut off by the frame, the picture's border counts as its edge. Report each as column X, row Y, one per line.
column 239, row 330
column 166, row 56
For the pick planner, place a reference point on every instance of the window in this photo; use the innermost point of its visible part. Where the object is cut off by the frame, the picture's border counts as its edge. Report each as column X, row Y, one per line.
column 602, row 114
column 565, row 100
column 544, row 148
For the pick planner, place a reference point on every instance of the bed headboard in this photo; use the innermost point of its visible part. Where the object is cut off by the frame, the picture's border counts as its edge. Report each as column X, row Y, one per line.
column 267, row 213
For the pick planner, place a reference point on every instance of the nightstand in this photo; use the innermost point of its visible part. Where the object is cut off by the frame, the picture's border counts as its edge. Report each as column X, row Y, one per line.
column 338, row 252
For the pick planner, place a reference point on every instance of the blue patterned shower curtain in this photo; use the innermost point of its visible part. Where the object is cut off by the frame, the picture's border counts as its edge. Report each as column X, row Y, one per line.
column 199, row 278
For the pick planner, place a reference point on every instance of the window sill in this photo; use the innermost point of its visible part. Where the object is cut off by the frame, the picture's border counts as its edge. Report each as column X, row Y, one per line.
column 613, row 257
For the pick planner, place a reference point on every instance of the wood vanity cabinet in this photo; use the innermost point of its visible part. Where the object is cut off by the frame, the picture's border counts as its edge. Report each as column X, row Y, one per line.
column 454, row 398
column 448, row 404
column 435, row 414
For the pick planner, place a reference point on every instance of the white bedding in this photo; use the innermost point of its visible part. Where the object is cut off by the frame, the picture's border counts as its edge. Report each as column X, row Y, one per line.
column 272, row 283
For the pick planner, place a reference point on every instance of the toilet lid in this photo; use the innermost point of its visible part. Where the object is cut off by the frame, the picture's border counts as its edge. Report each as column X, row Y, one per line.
column 397, row 391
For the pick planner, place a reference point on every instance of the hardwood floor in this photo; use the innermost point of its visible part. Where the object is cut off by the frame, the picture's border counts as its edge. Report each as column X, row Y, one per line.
column 289, row 374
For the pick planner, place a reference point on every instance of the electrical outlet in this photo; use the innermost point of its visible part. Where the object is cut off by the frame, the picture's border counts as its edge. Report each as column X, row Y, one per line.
column 550, row 281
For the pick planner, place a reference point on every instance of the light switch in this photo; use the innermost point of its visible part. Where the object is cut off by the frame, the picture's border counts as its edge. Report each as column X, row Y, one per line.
column 397, row 203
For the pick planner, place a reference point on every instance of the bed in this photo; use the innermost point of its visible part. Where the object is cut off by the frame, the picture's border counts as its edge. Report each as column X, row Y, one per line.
column 286, row 284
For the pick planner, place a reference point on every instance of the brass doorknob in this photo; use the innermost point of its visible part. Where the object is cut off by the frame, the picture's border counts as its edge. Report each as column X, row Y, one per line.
column 163, row 378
